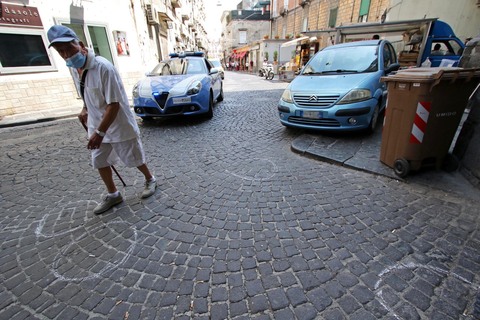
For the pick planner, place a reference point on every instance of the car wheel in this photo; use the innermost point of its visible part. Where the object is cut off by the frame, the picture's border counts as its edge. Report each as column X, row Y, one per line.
column 220, row 96
column 209, row 114
column 374, row 119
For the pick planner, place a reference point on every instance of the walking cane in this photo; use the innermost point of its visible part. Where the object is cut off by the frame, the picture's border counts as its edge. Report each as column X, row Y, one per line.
column 113, row 168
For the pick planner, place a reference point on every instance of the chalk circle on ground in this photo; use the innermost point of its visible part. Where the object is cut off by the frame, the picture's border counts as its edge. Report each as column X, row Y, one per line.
column 412, row 266
column 88, row 257
column 255, row 169
column 89, row 253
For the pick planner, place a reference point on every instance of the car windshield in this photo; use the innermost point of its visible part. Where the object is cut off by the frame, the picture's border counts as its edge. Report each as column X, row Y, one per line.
column 344, row 60
column 179, row 67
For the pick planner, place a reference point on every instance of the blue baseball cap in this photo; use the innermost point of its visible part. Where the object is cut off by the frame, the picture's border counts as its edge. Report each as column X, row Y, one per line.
column 59, row 33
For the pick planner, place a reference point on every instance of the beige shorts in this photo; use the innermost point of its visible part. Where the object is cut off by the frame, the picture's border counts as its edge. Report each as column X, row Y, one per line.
column 129, row 152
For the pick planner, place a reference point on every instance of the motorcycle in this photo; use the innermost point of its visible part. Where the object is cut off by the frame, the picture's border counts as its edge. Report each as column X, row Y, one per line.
column 266, row 71
column 261, row 72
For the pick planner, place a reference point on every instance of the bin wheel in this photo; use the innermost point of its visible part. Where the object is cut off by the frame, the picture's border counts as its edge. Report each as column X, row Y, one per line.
column 450, row 163
column 401, row 167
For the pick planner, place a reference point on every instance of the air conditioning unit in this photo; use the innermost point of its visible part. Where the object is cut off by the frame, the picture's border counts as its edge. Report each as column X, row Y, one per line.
column 152, row 14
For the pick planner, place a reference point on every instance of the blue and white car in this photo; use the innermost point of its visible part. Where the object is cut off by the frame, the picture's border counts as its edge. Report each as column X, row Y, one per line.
column 185, row 84
column 339, row 89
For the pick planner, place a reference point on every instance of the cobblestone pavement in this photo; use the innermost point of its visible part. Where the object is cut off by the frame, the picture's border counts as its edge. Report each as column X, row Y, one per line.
column 240, row 228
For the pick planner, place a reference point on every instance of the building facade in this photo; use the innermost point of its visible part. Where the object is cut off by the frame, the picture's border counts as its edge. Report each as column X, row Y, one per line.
column 313, row 22
column 133, row 34
column 242, row 30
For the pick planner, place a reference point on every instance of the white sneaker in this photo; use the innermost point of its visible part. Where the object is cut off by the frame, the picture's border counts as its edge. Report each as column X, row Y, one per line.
column 149, row 190
column 107, row 203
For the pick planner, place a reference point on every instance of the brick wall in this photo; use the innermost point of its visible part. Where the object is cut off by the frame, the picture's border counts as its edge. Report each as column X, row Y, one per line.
column 20, row 96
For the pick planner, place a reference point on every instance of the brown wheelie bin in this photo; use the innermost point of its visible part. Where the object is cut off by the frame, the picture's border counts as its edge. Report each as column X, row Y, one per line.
column 424, row 109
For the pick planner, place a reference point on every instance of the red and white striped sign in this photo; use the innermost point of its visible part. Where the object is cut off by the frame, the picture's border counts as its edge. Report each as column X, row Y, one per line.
column 420, row 122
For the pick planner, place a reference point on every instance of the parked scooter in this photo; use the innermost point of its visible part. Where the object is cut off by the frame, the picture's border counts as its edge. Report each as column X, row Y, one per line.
column 266, row 71
column 269, row 74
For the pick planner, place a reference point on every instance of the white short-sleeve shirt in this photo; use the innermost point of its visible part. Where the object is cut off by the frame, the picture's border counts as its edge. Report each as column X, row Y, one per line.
column 104, row 86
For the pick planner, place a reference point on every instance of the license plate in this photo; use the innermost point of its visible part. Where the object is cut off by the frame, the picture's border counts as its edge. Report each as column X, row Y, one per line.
column 182, row 100
column 311, row 114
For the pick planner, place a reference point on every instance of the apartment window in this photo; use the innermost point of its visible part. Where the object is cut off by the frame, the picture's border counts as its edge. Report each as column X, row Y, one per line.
column 24, row 50
column 332, row 20
column 305, row 24
column 242, row 36
column 364, row 9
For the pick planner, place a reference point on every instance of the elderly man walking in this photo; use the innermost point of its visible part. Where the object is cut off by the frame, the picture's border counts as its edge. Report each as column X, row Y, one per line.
column 113, row 133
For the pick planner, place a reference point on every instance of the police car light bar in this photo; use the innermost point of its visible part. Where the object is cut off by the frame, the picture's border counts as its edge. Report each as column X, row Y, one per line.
column 187, row 53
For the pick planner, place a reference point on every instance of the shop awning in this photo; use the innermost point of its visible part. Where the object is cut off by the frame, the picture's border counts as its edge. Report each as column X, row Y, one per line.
column 238, row 55
column 293, row 42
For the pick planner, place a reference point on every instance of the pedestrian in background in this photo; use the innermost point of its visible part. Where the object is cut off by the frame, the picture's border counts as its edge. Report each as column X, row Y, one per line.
column 113, row 133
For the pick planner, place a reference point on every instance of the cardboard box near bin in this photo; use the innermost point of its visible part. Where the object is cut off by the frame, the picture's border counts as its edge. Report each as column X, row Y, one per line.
column 424, row 109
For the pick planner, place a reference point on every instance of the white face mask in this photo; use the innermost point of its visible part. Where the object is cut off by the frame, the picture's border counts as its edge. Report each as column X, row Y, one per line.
column 76, row 61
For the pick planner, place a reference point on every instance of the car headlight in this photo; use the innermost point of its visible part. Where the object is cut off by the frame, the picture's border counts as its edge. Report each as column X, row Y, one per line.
column 356, row 95
column 135, row 91
column 194, row 88
column 287, row 96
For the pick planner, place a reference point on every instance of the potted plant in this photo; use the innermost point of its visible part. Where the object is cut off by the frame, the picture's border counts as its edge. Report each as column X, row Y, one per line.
column 277, row 36
column 287, row 36
column 266, row 55
column 265, row 37
column 275, row 56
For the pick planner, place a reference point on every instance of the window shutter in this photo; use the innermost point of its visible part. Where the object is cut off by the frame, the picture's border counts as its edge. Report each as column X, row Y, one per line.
column 332, row 20
column 364, row 7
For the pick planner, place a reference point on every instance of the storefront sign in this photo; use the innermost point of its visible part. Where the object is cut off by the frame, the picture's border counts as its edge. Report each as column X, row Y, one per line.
column 17, row 15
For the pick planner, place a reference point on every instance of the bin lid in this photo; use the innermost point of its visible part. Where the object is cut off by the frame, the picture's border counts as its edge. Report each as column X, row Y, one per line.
column 431, row 74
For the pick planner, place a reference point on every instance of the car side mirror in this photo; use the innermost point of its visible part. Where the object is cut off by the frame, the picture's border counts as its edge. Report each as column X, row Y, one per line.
column 213, row 71
column 393, row 67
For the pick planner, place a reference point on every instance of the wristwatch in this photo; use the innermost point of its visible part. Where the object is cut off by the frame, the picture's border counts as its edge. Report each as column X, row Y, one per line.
column 100, row 133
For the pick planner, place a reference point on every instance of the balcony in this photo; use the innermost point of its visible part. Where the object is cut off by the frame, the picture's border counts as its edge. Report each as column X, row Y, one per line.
column 183, row 30
column 176, row 3
column 164, row 12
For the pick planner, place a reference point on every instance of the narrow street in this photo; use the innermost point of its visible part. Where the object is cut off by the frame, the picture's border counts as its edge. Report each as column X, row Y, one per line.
column 240, row 227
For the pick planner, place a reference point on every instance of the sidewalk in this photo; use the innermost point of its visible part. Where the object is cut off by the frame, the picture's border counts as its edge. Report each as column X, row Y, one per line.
column 38, row 116
column 362, row 153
